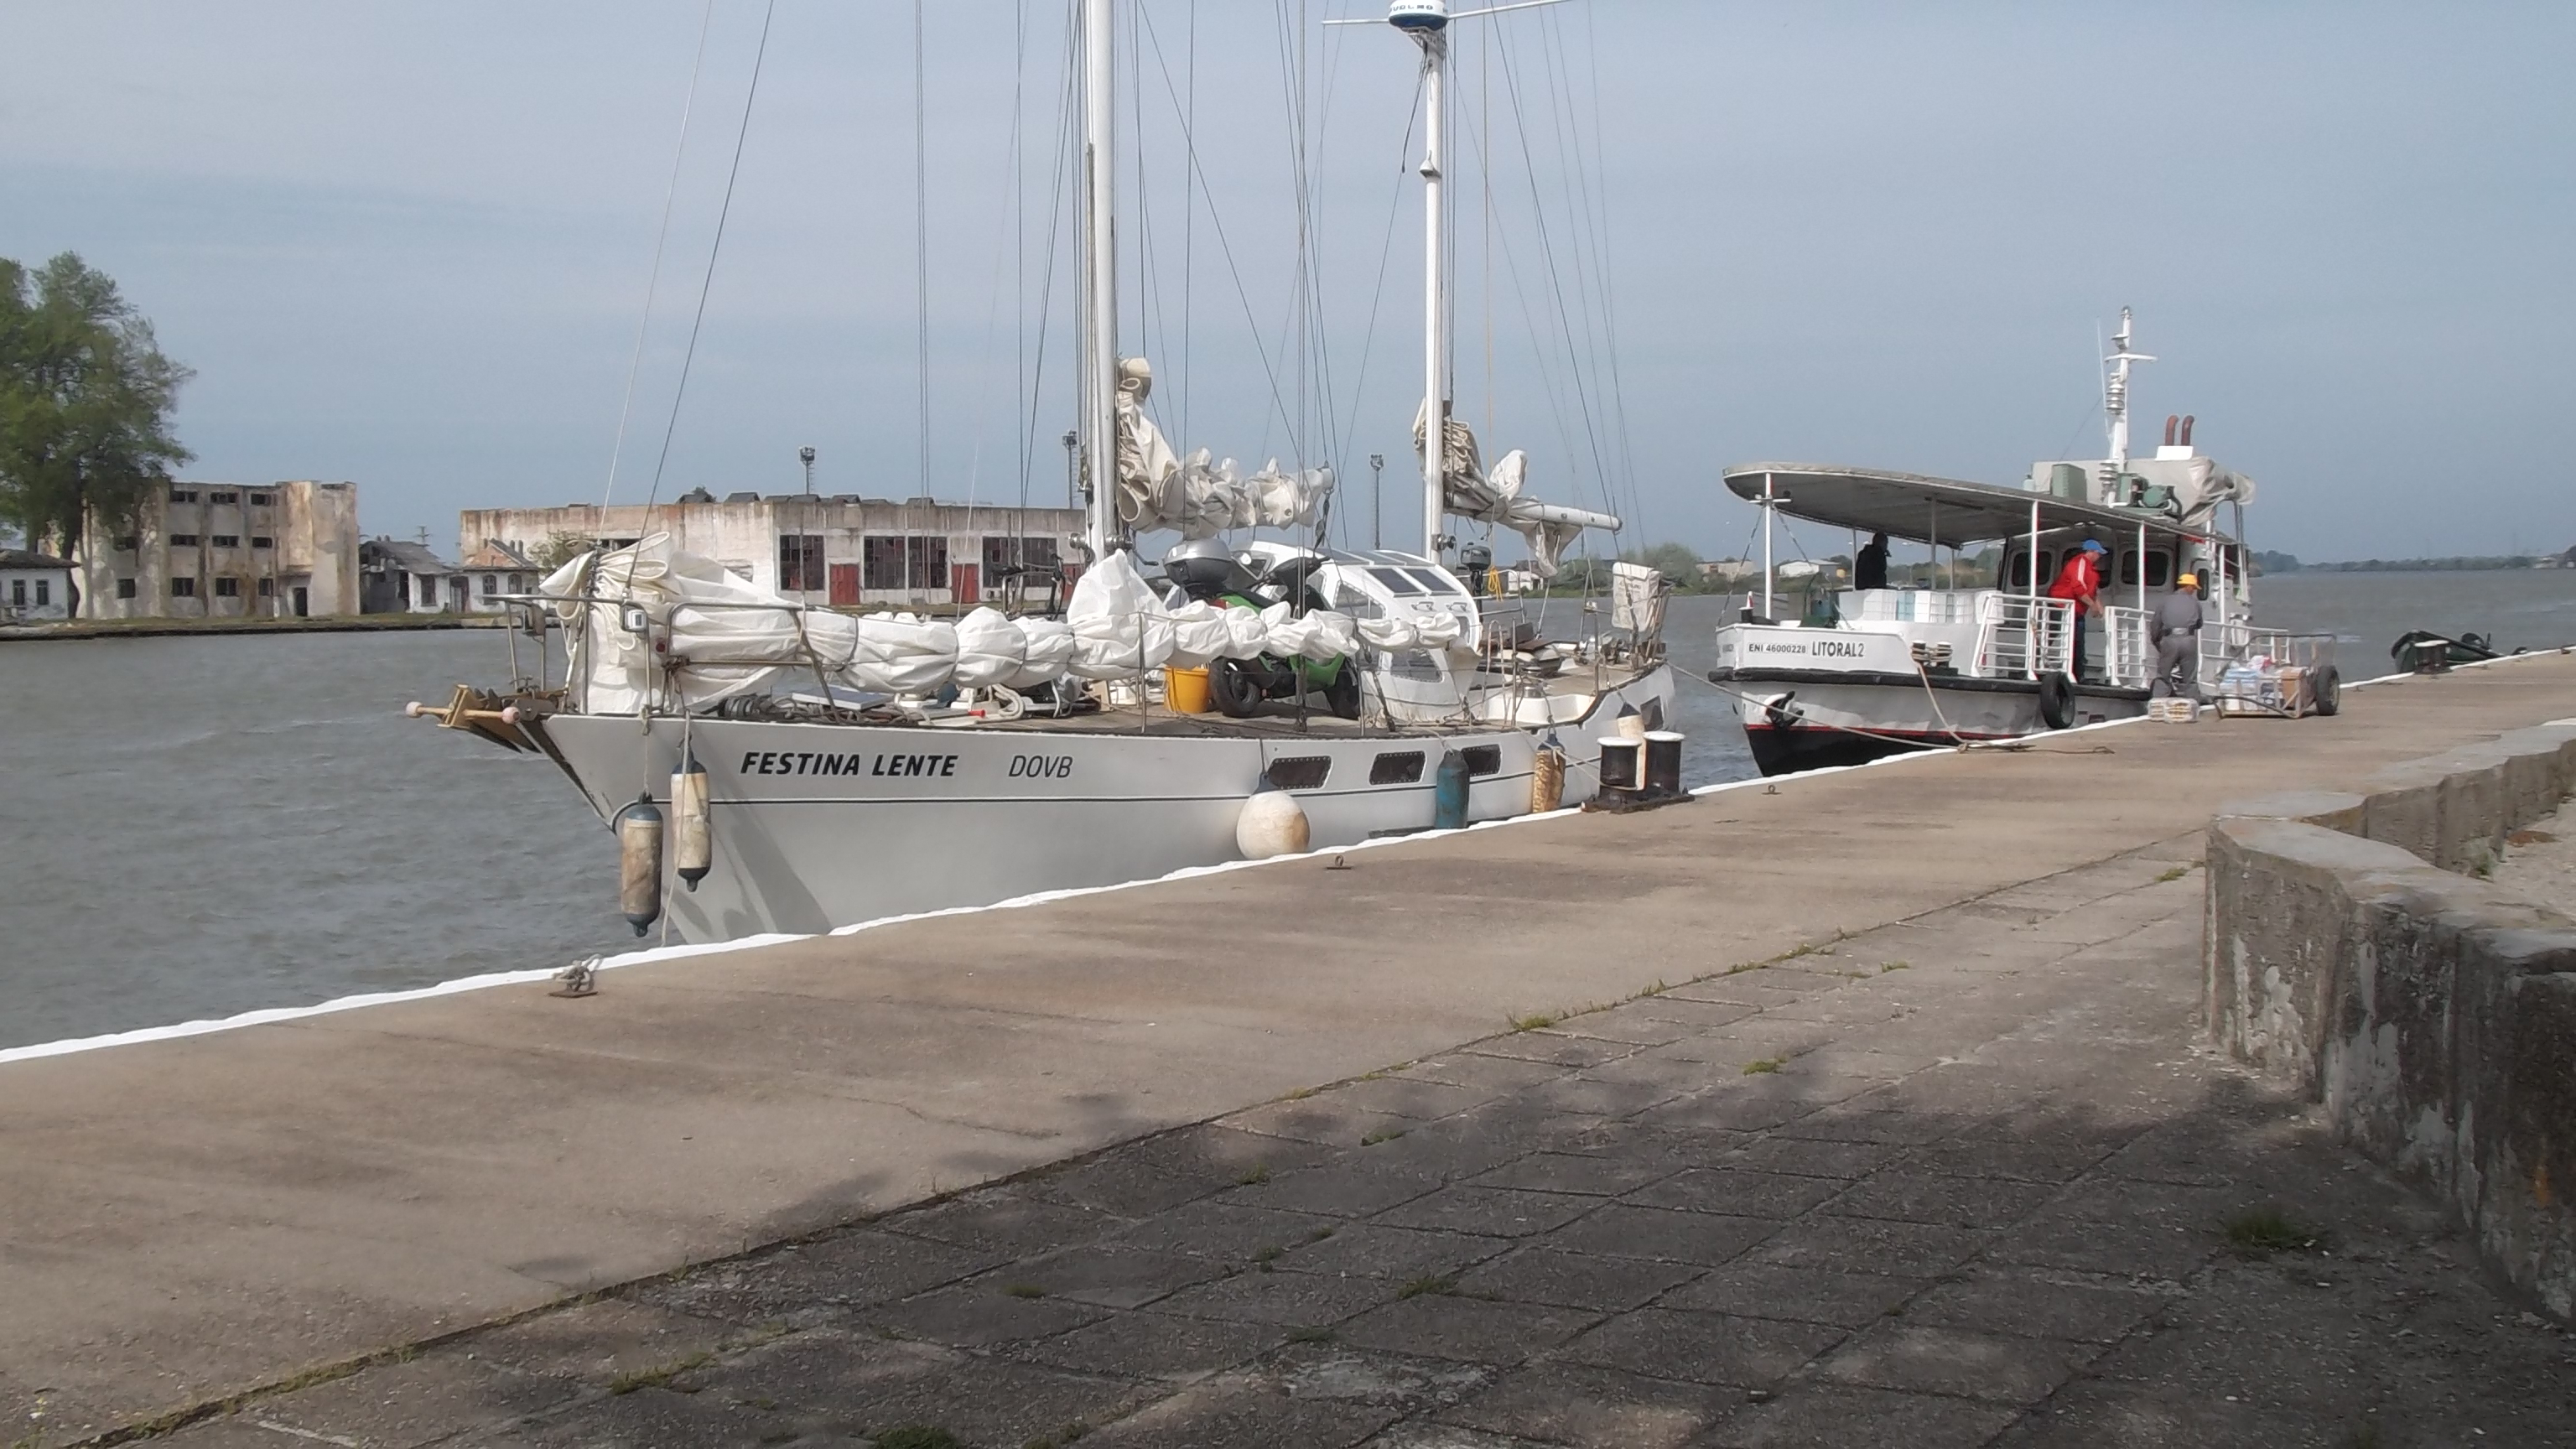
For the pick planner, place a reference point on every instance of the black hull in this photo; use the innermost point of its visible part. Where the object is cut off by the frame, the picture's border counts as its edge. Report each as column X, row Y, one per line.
column 1785, row 752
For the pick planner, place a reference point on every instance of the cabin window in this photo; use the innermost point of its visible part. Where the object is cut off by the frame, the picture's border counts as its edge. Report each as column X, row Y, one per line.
column 125, row 588
column 800, row 563
column 2017, row 572
column 1401, row 767
column 881, row 561
column 227, row 588
column 1298, row 772
column 1483, row 760
column 1433, row 582
column 1395, row 581
column 228, row 540
column 183, row 588
column 2159, row 567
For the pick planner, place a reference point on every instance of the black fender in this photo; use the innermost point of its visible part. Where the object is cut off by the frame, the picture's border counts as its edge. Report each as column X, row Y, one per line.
column 2056, row 700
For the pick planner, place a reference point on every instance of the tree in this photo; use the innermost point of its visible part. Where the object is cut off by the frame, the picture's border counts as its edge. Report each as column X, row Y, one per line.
column 85, row 400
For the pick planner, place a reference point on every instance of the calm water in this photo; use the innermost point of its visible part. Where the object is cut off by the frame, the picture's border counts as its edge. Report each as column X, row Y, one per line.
column 196, row 827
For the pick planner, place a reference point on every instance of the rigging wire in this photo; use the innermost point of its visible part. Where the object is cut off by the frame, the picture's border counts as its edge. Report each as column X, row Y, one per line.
column 661, row 238
column 921, row 244
column 1065, row 102
column 715, row 247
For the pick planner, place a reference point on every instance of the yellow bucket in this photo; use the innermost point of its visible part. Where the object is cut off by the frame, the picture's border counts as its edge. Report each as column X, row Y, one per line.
column 1186, row 690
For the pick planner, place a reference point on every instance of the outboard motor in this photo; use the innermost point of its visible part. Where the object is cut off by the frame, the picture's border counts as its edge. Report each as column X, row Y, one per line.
column 1476, row 562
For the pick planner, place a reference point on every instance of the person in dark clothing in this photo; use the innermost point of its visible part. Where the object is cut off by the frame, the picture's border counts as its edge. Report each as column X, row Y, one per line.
column 1869, row 570
column 2080, row 582
column 2176, row 630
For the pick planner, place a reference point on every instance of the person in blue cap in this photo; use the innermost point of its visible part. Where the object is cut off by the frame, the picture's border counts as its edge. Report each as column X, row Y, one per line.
column 2081, row 582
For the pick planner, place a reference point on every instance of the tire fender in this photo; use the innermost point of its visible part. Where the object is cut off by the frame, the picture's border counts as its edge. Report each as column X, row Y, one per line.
column 2056, row 700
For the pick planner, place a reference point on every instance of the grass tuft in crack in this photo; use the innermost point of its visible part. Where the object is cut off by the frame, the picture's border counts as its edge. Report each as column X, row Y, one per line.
column 1760, row 1065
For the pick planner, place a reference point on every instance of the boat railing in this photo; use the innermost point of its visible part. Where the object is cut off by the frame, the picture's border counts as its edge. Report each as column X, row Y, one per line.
column 634, row 617
column 1910, row 606
column 2019, row 637
column 2129, row 656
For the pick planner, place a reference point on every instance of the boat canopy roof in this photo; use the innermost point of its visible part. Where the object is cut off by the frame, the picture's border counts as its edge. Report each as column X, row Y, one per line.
column 1920, row 509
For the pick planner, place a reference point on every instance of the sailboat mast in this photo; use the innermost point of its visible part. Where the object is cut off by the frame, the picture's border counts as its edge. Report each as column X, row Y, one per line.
column 1098, row 369
column 2115, row 391
column 1430, row 28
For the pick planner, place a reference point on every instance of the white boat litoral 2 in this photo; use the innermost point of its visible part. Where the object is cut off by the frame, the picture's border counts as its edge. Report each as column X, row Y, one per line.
column 795, row 768
column 1864, row 670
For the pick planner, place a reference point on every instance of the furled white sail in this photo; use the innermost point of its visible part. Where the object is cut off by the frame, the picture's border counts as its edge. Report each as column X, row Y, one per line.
column 1468, row 491
column 653, row 622
column 1158, row 489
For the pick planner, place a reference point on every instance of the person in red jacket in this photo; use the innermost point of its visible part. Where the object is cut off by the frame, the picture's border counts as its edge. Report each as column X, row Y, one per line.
column 2081, row 581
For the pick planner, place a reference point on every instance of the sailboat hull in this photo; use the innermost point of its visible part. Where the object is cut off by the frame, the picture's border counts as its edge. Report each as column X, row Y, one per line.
column 817, row 826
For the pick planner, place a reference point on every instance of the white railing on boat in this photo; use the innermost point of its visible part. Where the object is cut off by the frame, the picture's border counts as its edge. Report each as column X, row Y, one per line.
column 1910, row 606
column 2019, row 637
column 2131, row 656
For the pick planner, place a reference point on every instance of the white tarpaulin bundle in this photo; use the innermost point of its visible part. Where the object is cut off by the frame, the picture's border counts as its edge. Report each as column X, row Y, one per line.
column 1468, row 491
column 1158, row 489
column 720, row 636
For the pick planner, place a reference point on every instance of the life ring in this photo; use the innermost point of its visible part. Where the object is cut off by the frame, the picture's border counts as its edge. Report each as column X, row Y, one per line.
column 2056, row 700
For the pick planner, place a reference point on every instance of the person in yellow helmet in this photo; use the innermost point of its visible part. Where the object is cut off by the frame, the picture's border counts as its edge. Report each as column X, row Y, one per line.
column 2175, row 627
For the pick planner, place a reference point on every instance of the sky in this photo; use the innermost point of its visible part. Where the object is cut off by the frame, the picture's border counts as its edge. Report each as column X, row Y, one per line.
column 410, row 245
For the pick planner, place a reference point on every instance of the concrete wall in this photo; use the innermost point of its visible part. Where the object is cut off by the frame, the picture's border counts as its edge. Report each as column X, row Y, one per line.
column 2431, row 1014
column 742, row 534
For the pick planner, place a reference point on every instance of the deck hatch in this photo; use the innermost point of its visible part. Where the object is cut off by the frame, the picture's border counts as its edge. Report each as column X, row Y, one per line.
column 1398, row 767
column 1298, row 772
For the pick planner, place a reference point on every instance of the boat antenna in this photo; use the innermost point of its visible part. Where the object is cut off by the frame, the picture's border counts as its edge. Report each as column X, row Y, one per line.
column 2115, row 392
column 1426, row 22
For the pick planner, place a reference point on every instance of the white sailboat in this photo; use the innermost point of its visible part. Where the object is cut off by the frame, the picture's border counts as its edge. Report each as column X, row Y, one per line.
column 821, row 769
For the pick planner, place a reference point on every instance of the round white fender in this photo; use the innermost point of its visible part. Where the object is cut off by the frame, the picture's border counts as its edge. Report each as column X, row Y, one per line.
column 1272, row 823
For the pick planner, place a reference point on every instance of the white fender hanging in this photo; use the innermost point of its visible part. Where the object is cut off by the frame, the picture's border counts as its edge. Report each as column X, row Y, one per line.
column 1272, row 823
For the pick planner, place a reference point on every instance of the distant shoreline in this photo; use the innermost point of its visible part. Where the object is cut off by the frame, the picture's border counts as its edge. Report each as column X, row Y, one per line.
column 175, row 628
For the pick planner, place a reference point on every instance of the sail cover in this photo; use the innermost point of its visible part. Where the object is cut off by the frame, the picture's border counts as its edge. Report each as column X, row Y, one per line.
column 1158, row 489
column 706, row 635
column 1468, row 491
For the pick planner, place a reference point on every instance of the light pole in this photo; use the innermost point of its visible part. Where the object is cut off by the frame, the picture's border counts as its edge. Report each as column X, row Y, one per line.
column 1377, row 494
column 806, row 457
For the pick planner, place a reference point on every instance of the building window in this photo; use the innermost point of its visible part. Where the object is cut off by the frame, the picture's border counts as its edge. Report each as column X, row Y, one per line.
column 183, row 495
column 228, row 540
column 183, row 588
column 800, row 563
column 127, row 543
column 44, row 592
column 262, row 541
column 17, row 593
column 268, row 588
column 223, row 498
column 491, row 585
column 880, row 562
column 428, row 590
column 262, row 500
column 125, row 588
column 227, row 588
column 1001, row 555
column 926, row 562
column 518, row 583
column 183, row 540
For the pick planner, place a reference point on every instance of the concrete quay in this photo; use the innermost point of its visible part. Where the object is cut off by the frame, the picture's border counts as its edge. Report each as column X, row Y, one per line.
column 1954, row 1175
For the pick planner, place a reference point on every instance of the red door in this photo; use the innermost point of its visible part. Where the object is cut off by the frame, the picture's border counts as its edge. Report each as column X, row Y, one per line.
column 845, row 583
column 966, row 583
